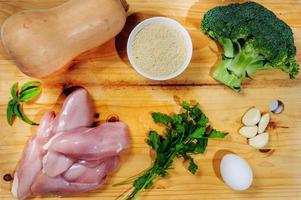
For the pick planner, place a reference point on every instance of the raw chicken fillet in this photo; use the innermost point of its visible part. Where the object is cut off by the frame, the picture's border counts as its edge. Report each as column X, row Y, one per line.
column 68, row 156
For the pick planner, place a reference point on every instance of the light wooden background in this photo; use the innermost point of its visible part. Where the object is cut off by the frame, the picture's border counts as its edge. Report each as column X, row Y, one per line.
column 117, row 89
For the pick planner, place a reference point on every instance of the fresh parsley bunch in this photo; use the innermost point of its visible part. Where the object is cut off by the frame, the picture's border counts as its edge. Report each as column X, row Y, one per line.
column 186, row 134
column 15, row 106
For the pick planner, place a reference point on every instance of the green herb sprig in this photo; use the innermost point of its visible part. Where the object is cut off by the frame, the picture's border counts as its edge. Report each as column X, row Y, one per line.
column 15, row 106
column 186, row 134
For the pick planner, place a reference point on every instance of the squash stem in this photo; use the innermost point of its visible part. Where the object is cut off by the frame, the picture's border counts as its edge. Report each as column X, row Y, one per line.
column 125, row 5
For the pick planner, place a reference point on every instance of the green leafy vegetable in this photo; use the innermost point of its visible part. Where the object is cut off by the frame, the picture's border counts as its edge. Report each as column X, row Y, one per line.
column 161, row 118
column 192, row 166
column 10, row 111
column 186, row 134
column 14, row 91
column 29, row 94
column 154, row 140
column 253, row 39
column 216, row 134
column 30, row 84
column 198, row 133
column 15, row 107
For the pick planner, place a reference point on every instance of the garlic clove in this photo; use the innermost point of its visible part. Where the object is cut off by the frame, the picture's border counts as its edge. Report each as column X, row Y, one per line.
column 248, row 131
column 276, row 106
column 279, row 109
column 263, row 123
column 251, row 117
column 259, row 141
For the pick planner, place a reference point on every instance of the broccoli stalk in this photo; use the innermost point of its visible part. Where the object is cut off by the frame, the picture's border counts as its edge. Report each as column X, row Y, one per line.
column 253, row 38
column 235, row 67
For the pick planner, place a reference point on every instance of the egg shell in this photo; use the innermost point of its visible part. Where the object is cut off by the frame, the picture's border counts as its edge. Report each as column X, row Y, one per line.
column 236, row 172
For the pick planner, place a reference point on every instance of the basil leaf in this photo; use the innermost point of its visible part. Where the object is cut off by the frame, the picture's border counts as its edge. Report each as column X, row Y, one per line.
column 29, row 94
column 29, row 85
column 10, row 111
column 14, row 91
column 18, row 110
column 14, row 108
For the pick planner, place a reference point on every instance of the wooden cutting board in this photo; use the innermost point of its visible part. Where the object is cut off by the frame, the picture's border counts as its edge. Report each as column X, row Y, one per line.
column 117, row 89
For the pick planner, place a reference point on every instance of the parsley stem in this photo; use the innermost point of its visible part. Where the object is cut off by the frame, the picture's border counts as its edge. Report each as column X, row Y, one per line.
column 135, row 193
column 152, row 175
column 184, row 136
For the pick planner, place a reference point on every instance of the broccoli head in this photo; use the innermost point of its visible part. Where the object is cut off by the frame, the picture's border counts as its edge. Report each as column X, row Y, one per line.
column 253, row 38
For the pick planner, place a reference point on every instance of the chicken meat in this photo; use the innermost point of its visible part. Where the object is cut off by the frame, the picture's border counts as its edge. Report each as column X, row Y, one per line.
column 68, row 156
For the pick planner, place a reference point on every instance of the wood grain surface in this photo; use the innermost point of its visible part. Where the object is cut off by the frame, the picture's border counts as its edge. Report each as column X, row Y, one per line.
column 117, row 89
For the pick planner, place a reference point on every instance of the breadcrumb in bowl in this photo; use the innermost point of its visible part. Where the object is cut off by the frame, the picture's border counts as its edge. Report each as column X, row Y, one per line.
column 159, row 48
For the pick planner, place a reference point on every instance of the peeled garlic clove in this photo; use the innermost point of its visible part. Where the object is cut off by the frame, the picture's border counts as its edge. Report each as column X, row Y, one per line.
column 259, row 141
column 251, row 117
column 263, row 123
column 248, row 131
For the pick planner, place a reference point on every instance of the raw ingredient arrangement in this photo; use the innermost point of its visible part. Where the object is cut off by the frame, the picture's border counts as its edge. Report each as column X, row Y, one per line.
column 157, row 92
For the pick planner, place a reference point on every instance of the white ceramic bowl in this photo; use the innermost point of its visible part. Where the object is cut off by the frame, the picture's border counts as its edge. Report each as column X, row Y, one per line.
column 177, row 25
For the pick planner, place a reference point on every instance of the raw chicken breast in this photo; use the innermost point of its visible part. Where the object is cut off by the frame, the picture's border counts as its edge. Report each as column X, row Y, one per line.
column 68, row 156
column 31, row 162
column 77, row 112
column 45, row 185
column 54, row 163
column 92, row 143
column 83, row 174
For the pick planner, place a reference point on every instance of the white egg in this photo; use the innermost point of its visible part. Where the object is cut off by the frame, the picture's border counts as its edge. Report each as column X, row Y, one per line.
column 236, row 172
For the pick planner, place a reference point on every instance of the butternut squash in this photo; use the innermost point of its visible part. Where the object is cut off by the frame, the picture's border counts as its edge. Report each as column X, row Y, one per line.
column 43, row 42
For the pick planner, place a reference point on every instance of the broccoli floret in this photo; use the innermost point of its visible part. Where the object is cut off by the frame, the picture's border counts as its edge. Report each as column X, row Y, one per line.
column 253, row 38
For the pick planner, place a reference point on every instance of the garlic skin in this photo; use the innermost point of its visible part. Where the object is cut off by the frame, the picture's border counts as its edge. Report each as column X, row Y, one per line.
column 276, row 106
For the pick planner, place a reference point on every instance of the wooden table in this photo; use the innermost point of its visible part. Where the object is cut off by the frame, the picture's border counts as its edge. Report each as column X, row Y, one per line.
column 117, row 89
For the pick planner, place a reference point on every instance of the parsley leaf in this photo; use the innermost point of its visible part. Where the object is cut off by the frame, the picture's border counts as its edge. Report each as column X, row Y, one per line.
column 161, row 118
column 217, row 134
column 186, row 134
column 154, row 140
column 192, row 166
column 198, row 133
